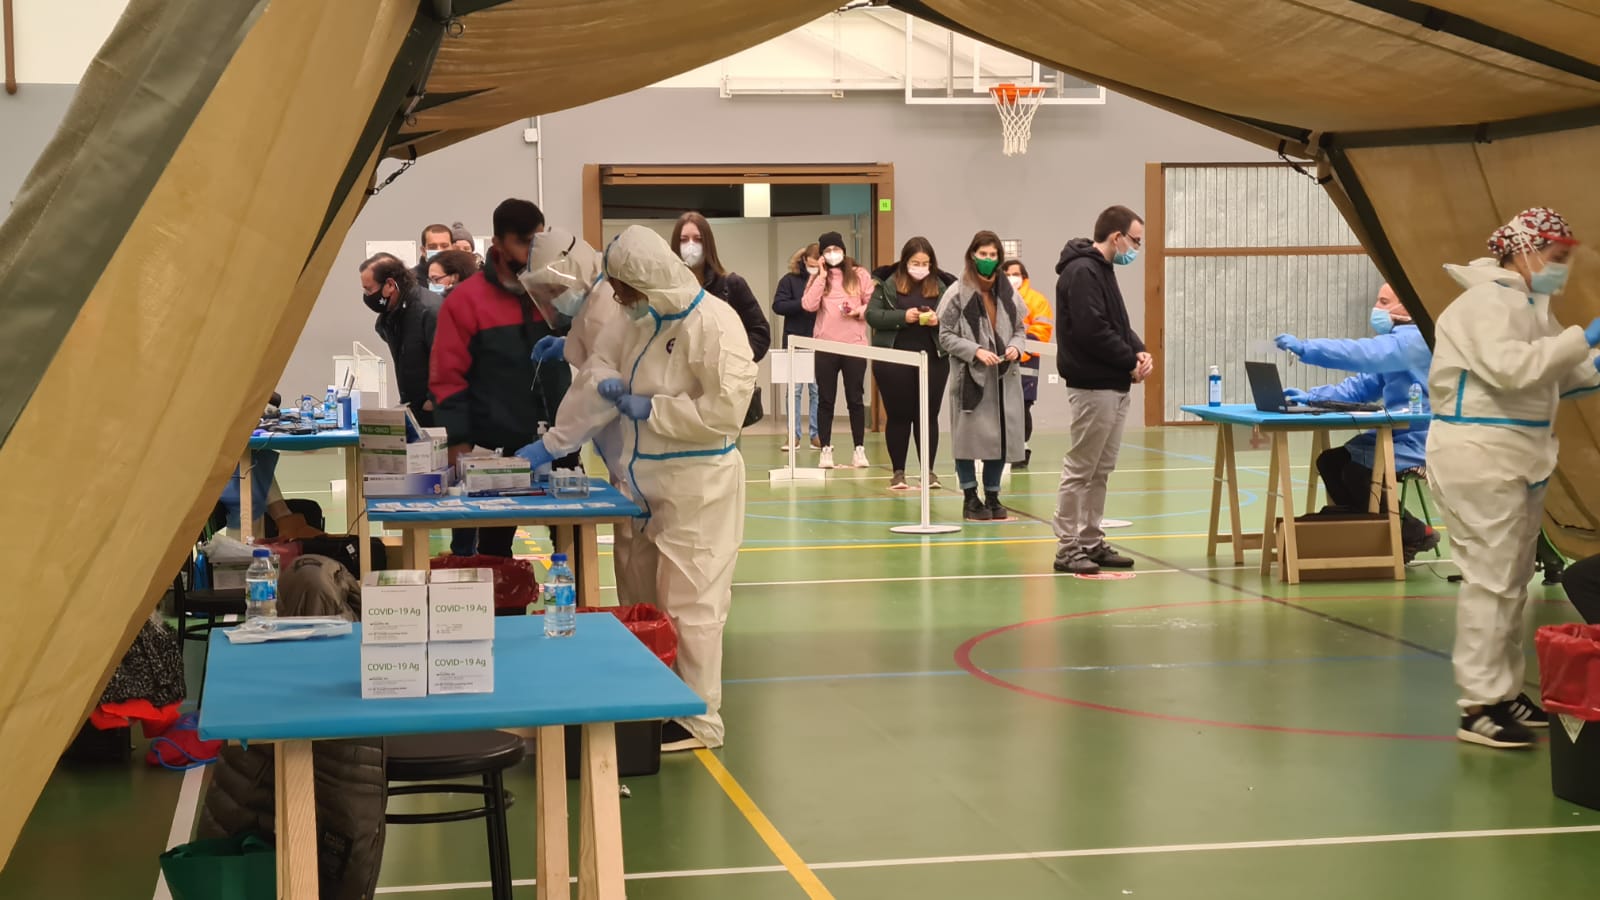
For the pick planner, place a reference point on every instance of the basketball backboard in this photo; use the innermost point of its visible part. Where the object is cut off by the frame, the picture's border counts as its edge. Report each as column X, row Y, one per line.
column 942, row 67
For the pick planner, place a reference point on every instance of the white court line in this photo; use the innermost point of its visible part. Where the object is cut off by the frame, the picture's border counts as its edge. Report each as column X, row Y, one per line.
column 1353, row 840
column 182, row 822
column 992, row 577
column 1031, row 473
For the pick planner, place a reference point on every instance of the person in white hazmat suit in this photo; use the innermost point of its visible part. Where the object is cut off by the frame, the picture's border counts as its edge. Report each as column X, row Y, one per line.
column 675, row 380
column 1501, row 365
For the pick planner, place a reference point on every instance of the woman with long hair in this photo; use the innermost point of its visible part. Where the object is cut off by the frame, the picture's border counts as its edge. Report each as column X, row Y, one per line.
column 838, row 294
column 694, row 243
column 902, row 317
column 981, row 326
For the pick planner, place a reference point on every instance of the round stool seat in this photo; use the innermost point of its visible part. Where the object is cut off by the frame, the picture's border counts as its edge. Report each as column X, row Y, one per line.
column 424, row 757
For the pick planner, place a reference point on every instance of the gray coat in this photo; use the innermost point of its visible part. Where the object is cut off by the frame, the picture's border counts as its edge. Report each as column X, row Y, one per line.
column 985, row 402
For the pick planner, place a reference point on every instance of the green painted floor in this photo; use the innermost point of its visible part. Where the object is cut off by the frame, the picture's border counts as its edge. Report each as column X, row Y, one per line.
column 946, row 718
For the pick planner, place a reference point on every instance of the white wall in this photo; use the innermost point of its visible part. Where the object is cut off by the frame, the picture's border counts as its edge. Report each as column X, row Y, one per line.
column 55, row 39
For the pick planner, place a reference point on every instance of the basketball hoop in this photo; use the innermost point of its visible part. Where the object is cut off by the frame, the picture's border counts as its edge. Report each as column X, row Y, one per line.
column 1016, row 104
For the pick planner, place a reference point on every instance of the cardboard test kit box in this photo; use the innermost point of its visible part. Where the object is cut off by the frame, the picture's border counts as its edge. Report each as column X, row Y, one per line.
column 394, row 607
column 461, row 605
column 461, row 667
column 391, row 671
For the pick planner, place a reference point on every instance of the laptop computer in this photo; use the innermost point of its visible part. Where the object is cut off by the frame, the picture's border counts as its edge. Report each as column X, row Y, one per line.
column 1266, row 388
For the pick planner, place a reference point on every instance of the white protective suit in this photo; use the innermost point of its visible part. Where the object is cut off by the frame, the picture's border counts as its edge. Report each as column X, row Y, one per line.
column 681, row 464
column 1501, row 364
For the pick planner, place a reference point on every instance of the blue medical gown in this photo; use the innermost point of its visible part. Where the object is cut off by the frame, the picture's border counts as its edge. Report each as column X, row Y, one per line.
column 1386, row 367
column 263, row 467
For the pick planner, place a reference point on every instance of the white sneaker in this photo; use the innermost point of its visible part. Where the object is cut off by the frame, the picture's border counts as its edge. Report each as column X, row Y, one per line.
column 826, row 462
column 859, row 459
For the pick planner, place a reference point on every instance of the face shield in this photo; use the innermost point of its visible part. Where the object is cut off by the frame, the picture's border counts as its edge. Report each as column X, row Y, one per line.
column 558, row 273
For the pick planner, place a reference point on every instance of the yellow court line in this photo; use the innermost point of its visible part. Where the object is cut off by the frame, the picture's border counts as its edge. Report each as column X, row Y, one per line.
column 802, row 874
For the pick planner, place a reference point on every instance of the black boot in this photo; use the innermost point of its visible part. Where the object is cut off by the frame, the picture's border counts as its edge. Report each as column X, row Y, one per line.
column 972, row 509
column 1027, row 457
column 997, row 513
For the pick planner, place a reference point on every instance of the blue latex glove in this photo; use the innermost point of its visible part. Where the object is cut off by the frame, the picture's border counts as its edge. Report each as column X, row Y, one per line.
column 1290, row 343
column 1294, row 396
column 1593, row 333
column 612, row 388
column 1597, row 363
column 536, row 454
column 634, row 406
column 550, row 349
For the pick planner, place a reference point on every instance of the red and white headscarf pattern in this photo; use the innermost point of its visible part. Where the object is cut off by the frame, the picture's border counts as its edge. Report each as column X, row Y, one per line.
column 1530, row 231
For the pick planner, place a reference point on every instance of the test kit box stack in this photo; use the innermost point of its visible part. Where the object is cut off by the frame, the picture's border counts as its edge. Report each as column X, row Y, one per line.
column 400, row 458
column 487, row 472
column 427, row 633
column 461, row 631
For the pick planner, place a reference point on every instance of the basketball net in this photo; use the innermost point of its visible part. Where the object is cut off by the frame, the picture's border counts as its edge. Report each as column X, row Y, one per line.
column 1016, row 105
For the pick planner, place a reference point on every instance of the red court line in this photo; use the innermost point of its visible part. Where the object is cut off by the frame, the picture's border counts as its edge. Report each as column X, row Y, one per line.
column 963, row 658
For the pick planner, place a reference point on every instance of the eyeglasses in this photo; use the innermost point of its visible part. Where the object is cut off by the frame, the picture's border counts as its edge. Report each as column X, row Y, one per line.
column 1138, row 243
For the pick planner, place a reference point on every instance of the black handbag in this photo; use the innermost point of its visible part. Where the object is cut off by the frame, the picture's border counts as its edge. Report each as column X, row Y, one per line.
column 755, row 413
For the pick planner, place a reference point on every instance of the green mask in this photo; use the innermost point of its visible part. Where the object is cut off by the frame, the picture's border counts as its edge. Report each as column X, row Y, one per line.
column 985, row 267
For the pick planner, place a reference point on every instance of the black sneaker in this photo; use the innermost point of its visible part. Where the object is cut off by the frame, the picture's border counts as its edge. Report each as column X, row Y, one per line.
column 1526, row 712
column 1077, row 564
column 1493, row 727
column 997, row 510
column 1027, row 457
column 1109, row 558
column 676, row 738
column 972, row 509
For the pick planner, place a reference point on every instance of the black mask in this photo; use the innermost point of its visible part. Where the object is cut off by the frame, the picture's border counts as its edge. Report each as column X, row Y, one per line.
column 375, row 301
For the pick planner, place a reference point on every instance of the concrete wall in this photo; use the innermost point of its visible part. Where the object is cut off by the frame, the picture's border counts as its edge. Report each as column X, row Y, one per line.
column 951, row 178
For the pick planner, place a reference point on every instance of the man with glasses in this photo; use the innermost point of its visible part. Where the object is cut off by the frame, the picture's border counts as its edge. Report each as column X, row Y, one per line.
column 1100, row 358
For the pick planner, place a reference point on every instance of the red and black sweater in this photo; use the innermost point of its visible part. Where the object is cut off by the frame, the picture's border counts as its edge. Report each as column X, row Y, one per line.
column 486, row 388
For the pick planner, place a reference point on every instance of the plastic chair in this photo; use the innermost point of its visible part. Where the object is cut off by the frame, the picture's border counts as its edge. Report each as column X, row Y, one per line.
column 422, row 761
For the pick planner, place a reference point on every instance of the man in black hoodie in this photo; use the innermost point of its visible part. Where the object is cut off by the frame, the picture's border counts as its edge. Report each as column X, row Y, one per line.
column 1100, row 358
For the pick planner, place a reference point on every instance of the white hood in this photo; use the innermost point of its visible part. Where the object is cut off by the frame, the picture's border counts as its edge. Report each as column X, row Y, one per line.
column 641, row 259
column 1485, row 271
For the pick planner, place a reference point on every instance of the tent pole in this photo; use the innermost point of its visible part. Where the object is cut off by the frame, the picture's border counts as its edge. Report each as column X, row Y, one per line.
column 10, row 51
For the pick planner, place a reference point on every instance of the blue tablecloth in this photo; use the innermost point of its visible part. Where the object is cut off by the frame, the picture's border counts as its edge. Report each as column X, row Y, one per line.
column 1247, row 414
column 311, row 690
column 322, row 440
column 603, row 501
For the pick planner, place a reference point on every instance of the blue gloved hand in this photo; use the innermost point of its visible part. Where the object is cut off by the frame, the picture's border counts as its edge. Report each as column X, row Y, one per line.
column 634, row 406
column 550, row 349
column 1593, row 333
column 1290, row 343
column 612, row 388
column 1296, row 396
column 536, row 454
column 1597, row 363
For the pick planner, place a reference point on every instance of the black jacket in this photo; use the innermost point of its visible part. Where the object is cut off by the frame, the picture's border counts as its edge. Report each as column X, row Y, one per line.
column 486, row 388
column 735, row 291
column 797, row 322
column 408, row 329
column 1098, row 349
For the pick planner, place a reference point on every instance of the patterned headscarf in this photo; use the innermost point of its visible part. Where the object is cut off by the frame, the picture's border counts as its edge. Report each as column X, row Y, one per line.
column 1530, row 231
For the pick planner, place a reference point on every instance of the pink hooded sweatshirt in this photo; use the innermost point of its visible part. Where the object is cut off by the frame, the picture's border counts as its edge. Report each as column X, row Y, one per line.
column 832, row 323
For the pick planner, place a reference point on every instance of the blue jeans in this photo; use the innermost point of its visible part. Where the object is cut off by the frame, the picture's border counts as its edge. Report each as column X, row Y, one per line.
column 967, row 474
column 798, row 390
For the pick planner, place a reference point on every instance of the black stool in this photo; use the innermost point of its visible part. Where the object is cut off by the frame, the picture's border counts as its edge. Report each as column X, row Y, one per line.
column 431, row 757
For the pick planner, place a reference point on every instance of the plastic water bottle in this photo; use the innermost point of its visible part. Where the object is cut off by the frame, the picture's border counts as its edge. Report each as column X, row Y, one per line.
column 308, row 408
column 261, row 587
column 1416, row 399
column 1214, row 395
column 330, row 409
column 560, row 599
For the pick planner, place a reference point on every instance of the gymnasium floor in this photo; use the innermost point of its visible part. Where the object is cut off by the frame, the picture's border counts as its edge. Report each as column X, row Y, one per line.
column 946, row 718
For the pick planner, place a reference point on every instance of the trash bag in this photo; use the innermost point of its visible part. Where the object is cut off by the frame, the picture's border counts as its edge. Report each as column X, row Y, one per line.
column 514, row 583
column 650, row 625
column 1569, row 669
column 243, row 867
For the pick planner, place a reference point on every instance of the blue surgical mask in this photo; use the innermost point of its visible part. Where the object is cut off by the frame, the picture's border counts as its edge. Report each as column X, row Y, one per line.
column 638, row 311
column 438, row 288
column 570, row 302
column 1550, row 279
column 433, row 253
column 1125, row 257
column 1382, row 323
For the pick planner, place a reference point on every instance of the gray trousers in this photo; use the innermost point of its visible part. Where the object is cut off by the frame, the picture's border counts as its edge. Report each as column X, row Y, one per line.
column 1097, row 421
